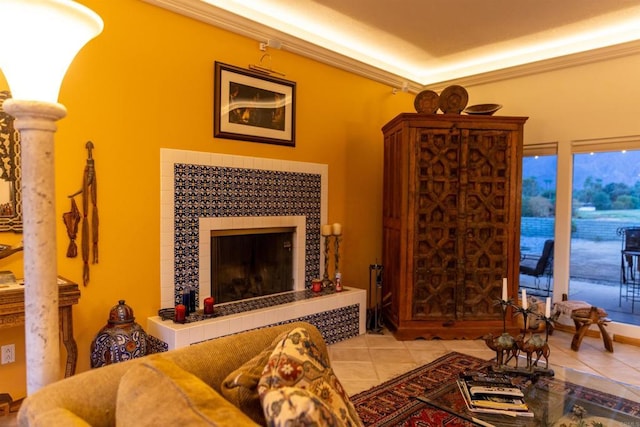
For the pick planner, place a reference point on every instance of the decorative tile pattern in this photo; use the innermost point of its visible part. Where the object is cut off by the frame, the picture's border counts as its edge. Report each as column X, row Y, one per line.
column 216, row 191
column 244, row 306
column 155, row 345
column 335, row 325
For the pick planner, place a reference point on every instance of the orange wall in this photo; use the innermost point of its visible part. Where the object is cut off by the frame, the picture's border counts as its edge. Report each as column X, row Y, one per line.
column 147, row 83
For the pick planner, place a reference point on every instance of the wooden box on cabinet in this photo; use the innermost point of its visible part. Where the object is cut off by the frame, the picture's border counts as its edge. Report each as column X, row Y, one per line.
column 451, row 223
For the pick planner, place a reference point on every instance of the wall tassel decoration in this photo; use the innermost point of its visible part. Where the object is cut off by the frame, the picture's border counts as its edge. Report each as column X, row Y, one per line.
column 89, row 193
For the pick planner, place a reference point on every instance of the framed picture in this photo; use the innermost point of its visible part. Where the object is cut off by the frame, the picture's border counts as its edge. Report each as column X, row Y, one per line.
column 253, row 106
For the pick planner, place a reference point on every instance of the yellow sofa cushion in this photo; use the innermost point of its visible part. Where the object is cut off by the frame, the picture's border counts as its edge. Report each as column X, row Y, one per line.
column 59, row 417
column 296, row 362
column 158, row 390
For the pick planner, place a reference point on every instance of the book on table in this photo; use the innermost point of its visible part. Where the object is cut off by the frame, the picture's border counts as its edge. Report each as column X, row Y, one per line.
column 493, row 397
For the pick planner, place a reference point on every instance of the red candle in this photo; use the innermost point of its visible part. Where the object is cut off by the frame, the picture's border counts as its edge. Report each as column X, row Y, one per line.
column 181, row 311
column 208, row 305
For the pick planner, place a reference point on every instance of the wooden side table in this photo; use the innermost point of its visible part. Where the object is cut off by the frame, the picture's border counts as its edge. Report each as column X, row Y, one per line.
column 12, row 314
column 584, row 318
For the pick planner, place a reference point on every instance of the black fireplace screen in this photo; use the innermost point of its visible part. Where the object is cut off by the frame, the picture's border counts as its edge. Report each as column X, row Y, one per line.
column 251, row 263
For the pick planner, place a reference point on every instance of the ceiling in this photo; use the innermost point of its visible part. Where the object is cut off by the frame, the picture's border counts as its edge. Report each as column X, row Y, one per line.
column 415, row 44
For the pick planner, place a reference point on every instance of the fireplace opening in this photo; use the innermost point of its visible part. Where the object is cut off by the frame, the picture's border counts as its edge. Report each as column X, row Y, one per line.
column 250, row 263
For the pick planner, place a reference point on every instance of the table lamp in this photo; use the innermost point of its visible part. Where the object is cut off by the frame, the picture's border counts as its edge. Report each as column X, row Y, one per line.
column 41, row 38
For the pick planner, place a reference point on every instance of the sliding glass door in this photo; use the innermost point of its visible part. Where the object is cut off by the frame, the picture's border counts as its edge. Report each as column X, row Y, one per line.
column 606, row 200
column 537, row 223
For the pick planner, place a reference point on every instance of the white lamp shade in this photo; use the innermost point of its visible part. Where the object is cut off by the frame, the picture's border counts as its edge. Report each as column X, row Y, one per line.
column 40, row 38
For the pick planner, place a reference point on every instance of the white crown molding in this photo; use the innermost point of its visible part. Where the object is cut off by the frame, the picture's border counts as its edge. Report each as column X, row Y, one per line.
column 204, row 12
column 539, row 67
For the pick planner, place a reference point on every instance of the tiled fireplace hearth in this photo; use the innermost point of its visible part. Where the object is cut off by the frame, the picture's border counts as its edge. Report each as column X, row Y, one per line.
column 205, row 192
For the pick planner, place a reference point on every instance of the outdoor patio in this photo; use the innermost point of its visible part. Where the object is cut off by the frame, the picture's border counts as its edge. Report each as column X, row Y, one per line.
column 595, row 277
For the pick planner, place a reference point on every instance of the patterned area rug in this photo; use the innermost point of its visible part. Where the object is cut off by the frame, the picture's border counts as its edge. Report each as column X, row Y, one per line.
column 395, row 403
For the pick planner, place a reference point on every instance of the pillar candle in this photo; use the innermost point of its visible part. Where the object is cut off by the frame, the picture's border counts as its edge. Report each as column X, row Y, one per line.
column 524, row 299
column 186, row 299
column 180, row 313
column 208, row 305
column 547, row 308
column 337, row 229
column 504, row 289
column 326, row 230
column 192, row 299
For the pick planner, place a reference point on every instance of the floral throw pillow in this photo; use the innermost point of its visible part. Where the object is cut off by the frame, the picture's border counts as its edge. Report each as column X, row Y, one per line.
column 288, row 406
column 296, row 362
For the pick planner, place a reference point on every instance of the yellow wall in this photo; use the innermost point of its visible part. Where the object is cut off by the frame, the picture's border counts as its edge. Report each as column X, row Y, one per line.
column 147, row 83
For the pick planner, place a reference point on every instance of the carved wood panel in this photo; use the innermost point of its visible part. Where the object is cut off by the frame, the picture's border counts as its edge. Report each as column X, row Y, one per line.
column 436, row 245
column 487, row 221
column 461, row 223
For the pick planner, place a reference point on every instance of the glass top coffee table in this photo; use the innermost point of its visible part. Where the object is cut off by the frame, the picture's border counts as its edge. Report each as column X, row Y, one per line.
column 568, row 399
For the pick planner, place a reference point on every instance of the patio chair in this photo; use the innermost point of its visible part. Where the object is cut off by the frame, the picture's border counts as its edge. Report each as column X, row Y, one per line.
column 539, row 266
column 629, row 267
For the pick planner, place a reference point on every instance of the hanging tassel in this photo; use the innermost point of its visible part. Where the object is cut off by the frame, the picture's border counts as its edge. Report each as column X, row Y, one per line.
column 94, row 218
column 71, row 220
column 85, row 227
column 89, row 190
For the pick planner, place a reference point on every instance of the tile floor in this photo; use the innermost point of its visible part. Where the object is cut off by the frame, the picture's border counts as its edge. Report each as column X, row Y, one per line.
column 368, row 360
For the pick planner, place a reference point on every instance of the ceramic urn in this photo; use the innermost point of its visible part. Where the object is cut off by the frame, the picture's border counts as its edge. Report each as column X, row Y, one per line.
column 120, row 339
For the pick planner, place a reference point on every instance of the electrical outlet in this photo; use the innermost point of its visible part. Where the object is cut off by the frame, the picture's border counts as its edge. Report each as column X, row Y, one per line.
column 8, row 353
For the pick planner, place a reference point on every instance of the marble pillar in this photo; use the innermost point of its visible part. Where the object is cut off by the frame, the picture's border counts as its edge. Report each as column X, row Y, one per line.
column 36, row 123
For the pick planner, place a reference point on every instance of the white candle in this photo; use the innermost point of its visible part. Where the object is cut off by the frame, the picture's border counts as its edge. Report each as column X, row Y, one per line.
column 547, row 308
column 337, row 229
column 524, row 299
column 326, row 230
column 504, row 289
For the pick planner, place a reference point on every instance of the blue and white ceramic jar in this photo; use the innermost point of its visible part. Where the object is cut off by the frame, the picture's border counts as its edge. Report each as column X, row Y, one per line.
column 121, row 339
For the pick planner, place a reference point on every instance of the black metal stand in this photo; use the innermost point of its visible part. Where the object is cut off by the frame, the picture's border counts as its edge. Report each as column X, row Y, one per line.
column 374, row 318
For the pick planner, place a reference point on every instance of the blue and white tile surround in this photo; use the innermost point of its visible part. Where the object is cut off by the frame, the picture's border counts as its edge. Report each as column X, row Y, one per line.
column 201, row 192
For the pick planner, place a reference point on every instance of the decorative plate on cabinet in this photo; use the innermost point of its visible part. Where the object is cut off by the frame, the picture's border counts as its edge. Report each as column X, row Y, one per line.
column 483, row 109
column 453, row 99
column 426, row 102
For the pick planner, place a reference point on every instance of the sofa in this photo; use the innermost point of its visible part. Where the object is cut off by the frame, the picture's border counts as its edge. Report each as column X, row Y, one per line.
column 229, row 381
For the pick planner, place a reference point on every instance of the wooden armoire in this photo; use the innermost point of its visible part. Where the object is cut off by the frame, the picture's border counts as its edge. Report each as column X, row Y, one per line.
column 451, row 223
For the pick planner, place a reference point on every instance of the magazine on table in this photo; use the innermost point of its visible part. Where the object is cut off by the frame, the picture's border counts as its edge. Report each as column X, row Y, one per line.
column 493, row 398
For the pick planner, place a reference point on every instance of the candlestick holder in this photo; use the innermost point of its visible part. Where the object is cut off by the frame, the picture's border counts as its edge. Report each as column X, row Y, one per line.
column 326, row 282
column 547, row 325
column 504, row 303
column 336, row 256
column 525, row 312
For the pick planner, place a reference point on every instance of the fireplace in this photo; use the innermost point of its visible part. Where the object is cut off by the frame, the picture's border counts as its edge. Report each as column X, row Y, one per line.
column 205, row 192
column 251, row 263
column 202, row 193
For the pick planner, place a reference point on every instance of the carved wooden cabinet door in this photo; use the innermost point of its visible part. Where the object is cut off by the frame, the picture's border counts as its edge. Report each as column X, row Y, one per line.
column 438, row 242
column 451, row 212
column 490, row 225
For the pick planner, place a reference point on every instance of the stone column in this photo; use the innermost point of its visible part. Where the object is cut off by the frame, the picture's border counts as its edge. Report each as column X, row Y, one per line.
column 36, row 123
